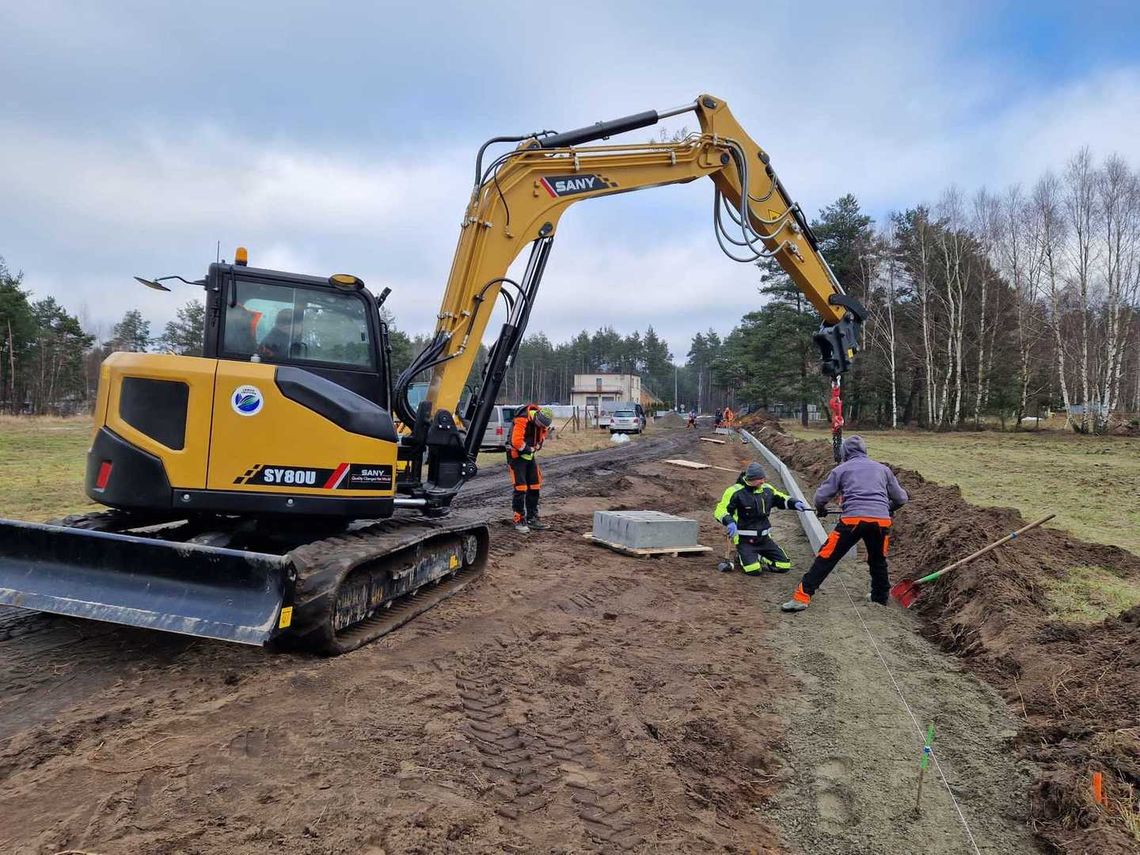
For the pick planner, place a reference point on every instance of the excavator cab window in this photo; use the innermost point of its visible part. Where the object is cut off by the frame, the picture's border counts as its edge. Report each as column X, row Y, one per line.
column 290, row 324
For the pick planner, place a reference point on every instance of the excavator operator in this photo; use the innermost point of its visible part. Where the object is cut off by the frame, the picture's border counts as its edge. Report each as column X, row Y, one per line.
column 275, row 345
column 528, row 432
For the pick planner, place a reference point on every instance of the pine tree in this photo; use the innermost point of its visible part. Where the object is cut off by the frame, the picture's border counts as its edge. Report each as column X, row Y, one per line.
column 186, row 333
column 132, row 333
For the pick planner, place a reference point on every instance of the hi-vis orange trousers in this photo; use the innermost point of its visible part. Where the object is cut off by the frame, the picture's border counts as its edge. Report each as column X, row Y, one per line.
column 526, row 479
column 876, row 536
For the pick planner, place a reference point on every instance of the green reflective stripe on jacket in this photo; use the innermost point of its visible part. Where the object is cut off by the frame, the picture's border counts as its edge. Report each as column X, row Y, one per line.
column 721, row 510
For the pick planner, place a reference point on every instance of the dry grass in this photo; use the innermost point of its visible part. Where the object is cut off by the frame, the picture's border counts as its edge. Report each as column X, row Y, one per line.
column 42, row 464
column 1129, row 812
column 1091, row 483
column 1090, row 594
column 43, row 459
column 565, row 442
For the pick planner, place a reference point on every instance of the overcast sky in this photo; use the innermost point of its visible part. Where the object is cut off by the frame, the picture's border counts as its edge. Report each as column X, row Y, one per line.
column 340, row 137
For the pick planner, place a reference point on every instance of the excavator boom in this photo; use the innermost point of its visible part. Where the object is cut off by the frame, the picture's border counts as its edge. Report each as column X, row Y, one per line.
column 517, row 202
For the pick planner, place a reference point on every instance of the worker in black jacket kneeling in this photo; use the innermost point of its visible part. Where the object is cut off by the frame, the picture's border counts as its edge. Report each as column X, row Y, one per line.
column 744, row 507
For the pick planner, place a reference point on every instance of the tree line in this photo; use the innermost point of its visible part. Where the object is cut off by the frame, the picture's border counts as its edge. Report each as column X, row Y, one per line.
column 990, row 305
column 49, row 363
column 985, row 306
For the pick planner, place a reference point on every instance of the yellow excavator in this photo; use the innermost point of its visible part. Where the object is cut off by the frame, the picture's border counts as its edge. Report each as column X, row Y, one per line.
column 262, row 492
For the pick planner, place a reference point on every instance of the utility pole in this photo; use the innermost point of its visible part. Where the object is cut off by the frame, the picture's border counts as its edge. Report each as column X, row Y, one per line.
column 675, row 401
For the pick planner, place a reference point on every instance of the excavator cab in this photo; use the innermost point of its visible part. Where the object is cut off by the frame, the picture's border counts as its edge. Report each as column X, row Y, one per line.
column 285, row 413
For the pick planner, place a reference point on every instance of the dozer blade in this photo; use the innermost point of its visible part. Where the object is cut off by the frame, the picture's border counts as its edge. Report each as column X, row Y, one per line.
column 138, row 581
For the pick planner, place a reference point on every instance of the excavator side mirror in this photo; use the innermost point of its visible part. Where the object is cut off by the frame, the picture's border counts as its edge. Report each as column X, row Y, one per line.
column 151, row 283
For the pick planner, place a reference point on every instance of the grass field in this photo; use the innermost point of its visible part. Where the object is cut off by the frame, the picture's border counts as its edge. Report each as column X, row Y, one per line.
column 1091, row 483
column 42, row 463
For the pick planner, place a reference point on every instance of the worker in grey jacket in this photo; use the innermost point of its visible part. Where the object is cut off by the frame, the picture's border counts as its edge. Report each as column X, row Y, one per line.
column 870, row 494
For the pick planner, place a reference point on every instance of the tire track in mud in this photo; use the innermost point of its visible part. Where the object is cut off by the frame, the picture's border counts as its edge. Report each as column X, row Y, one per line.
column 541, row 766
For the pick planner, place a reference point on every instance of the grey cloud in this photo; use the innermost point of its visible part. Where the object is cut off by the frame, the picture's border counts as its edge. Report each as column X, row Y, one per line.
column 135, row 135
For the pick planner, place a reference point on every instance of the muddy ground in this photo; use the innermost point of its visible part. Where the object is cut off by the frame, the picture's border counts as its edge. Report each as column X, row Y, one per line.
column 572, row 700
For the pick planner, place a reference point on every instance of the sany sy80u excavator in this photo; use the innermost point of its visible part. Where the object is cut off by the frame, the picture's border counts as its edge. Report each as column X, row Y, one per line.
column 263, row 491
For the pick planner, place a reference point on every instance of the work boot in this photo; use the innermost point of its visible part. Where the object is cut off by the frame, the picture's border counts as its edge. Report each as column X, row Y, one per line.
column 537, row 524
column 870, row 599
column 798, row 602
column 520, row 524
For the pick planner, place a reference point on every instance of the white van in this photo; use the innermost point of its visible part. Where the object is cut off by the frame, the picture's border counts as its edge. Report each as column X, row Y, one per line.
column 498, row 432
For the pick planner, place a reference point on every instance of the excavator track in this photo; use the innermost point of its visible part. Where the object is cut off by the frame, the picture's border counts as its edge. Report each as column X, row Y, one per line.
column 355, row 587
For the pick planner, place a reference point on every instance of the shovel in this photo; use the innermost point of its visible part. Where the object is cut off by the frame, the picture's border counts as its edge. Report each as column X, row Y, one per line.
column 907, row 591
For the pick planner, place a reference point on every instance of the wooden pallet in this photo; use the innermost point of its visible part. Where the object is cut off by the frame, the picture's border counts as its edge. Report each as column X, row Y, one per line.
column 672, row 551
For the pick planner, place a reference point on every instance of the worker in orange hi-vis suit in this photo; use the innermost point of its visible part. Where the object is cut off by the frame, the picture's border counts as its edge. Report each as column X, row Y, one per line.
column 528, row 433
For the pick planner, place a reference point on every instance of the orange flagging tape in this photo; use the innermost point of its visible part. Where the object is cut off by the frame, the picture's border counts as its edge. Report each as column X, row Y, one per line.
column 1098, row 788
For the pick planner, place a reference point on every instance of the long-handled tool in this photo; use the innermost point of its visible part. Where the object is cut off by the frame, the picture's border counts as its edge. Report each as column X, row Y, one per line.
column 907, row 591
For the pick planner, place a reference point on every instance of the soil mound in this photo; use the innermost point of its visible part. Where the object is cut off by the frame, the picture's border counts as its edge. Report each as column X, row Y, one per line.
column 1077, row 686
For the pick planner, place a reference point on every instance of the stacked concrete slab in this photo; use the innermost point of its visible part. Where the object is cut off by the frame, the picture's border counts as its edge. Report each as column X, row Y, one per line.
column 644, row 529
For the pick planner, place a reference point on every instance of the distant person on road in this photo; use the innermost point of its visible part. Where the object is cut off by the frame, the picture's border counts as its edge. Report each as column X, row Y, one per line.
column 729, row 416
column 692, row 419
column 745, row 507
column 719, row 418
column 870, row 496
column 528, row 433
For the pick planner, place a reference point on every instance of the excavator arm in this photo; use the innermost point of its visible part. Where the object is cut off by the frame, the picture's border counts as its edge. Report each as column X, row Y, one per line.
column 517, row 202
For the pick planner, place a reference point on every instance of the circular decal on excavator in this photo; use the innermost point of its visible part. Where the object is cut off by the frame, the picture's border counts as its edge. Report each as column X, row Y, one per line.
column 247, row 400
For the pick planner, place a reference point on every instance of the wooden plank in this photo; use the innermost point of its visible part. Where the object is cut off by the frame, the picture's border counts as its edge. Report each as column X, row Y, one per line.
column 710, row 439
column 672, row 551
column 692, row 464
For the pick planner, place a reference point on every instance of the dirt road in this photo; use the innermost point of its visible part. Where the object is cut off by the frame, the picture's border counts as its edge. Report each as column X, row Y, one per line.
column 571, row 700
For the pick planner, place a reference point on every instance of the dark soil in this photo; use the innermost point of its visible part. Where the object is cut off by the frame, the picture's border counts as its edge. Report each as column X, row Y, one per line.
column 1076, row 687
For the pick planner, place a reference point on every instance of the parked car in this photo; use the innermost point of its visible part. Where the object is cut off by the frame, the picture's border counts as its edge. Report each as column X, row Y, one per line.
column 627, row 421
column 611, row 409
column 498, row 431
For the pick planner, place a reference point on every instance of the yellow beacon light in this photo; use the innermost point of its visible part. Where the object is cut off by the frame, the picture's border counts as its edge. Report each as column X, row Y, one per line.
column 346, row 281
column 241, row 256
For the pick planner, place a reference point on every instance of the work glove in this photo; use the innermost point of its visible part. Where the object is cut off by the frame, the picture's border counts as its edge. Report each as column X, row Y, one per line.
column 731, row 528
column 797, row 505
column 821, row 511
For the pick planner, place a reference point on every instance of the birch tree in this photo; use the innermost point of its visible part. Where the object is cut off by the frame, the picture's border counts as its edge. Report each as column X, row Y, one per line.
column 1081, row 207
